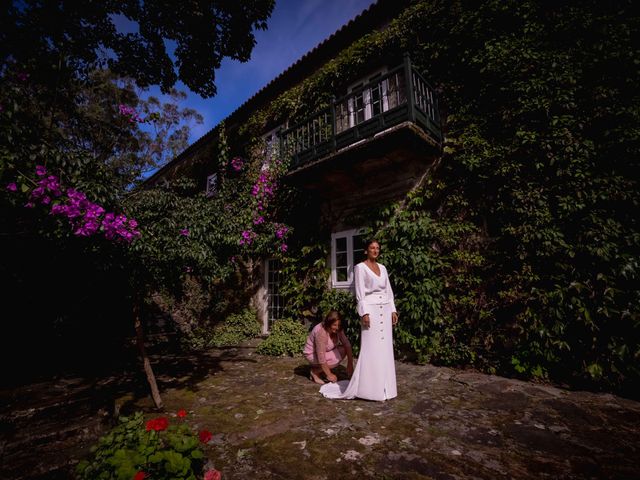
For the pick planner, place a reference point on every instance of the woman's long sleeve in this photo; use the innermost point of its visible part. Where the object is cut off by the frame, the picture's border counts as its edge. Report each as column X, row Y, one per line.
column 389, row 292
column 360, row 289
column 320, row 342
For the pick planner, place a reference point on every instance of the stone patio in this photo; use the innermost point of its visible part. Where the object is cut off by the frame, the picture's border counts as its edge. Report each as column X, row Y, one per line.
column 270, row 422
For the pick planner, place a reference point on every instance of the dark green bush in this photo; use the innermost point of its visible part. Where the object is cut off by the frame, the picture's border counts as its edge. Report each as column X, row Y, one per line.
column 344, row 302
column 287, row 338
column 236, row 328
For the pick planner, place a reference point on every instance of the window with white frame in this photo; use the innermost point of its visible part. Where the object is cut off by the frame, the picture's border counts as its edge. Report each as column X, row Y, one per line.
column 212, row 185
column 347, row 250
column 275, row 301
column 271, row 147
column 364, row 104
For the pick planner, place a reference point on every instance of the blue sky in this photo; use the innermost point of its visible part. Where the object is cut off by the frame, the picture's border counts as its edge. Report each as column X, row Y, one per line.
column 295, row 27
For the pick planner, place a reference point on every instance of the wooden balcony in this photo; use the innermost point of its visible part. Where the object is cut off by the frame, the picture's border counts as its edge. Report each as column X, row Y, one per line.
column 378, row 107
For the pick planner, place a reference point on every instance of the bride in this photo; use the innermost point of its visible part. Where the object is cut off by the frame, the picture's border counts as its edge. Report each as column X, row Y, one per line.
column 374, row 377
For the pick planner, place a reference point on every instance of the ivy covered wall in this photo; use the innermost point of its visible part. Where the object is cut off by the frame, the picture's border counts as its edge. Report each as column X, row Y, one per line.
column 519, row 254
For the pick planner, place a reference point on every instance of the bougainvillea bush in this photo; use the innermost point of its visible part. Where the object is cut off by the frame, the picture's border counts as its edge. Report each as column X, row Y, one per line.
column 158, row 449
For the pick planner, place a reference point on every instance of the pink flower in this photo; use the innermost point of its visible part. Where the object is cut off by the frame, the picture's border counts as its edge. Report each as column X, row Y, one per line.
column 237, row 163
column 284, row 247
column 58, row 209
column 259, row 220
column 247, row 237
column 12, row 187
column 213, row 475
column 184, row 232
column 205, row 436
column 182, row 413
column 85, row 216
column 51, row 184
column 281, row 231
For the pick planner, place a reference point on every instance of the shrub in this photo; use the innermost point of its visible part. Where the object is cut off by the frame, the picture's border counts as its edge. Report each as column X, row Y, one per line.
column 237, row 328
column 344, row 302
column 157, row 449
column 287, row 338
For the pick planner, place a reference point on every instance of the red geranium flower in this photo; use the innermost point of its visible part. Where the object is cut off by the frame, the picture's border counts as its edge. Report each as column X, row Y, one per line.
column 140, row 475
column 158, row 424
column 213, row 475
column 205, row 436
column 182, row 413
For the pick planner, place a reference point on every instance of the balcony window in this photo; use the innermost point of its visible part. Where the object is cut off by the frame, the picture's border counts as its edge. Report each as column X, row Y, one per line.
column 376, row 95
column 342, row 117
column 394, row 94
column 359, row 107
column 372, row 105
column 366, row 103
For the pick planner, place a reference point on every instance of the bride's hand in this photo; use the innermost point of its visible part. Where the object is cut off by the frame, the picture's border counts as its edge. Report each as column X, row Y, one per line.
column 365, row 321
column 394, row 318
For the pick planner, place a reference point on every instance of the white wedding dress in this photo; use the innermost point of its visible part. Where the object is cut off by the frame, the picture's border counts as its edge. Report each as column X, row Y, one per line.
column 374, row 377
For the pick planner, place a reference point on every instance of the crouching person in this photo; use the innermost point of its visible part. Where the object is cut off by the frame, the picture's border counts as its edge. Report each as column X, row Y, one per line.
column 326, row 348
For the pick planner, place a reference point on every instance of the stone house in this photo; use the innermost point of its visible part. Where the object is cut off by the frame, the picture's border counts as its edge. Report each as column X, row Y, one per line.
column 375, row 142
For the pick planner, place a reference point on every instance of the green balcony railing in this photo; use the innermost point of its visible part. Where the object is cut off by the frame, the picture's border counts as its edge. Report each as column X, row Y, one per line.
column 376, row 106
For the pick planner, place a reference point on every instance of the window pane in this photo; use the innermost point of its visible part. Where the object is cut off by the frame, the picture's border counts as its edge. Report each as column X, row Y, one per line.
column 275, row 302
column 402, row 98
column 341, row 260
column 341, row 274
column 359, row 107
column 341, row 244
column 375, row 100
column 358, row 249
column 342, row 114
column 212, row 184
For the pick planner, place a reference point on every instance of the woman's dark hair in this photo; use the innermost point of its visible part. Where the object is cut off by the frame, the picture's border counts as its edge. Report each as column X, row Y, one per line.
column 368, row 243
column 331, row 317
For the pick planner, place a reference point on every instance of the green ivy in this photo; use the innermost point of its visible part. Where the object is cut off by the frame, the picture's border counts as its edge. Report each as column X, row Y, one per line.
column 287, row 338
column 236, row 328
column 519, row 252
